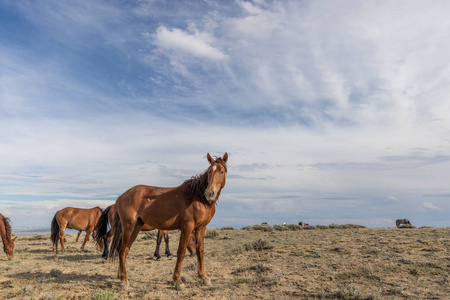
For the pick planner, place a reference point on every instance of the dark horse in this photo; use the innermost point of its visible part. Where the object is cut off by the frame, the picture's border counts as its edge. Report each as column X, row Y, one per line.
column 188, row 207
column 103, row 236
column 402, row 222
column 5, row 232
column 81, row 219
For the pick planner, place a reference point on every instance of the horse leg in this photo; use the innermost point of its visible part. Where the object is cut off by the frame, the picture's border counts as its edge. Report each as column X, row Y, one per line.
column 166, row 239
column 62, row 229
column 200, row 239
column 99, row 246
column 105, row 246
column 184, row 240
column 106, row 241
column 192, row 246
column 88, row 233
column 78, row 235
column 158, row 244
column 55, row 244
column 129, row 234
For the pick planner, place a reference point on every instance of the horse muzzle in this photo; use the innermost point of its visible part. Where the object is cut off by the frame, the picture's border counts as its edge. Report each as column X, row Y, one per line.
column 210, row 195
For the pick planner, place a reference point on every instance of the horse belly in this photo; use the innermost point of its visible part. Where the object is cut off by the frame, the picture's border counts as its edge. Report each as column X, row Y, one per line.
column 161, row 221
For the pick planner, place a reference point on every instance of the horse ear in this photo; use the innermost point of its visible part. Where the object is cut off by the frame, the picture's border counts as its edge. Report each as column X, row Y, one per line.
column 210, row 159
column 225, row 157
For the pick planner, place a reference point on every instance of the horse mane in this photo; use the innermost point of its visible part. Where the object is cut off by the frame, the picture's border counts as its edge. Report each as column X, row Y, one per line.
column 199, row 183
column 8, row 229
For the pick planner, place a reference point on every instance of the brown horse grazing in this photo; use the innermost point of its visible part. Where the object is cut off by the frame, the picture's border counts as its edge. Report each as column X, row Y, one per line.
column 81, row 219
column 5, row 232
column 188, row 207
column 103, row 236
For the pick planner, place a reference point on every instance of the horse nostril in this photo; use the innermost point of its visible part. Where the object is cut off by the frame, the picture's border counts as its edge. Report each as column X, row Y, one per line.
column 209, row 194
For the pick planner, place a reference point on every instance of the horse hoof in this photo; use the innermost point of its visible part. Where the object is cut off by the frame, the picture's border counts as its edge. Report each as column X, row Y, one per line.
column 180, row 286
column 125, row 285
column 207, row 282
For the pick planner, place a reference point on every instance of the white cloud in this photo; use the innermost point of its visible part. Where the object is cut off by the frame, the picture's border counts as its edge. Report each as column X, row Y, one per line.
column 197, row 44
column 429, row 206
column 392, row 198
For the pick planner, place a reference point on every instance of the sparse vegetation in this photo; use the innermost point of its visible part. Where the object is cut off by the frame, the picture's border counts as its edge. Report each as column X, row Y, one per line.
column 103, row 295
column 211, row 234
column 336, row 263
column 262, row 227
column 258, row 245
column 227, row 228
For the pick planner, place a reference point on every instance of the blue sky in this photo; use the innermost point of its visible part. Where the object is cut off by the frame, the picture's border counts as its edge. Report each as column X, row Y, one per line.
column 331, row 111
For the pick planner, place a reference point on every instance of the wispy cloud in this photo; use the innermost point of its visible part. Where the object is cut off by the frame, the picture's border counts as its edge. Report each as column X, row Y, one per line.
column 429, row 206
column 197, row 44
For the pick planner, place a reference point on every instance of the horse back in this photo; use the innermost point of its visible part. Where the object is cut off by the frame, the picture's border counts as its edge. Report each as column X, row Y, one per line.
column 78, row 218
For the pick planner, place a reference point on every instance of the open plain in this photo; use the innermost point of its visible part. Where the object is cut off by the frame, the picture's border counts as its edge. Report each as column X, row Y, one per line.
column 350, row 263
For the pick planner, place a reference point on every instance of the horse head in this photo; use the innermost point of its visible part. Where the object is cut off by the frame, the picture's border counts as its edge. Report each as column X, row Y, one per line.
column 9, row 248
column 216, row 177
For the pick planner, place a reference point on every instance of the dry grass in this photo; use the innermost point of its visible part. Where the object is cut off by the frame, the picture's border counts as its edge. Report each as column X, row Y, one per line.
column 245, row 264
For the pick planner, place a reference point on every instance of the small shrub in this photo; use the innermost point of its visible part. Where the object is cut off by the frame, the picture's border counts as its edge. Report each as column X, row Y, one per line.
column 294, row 227
column 309, row 227
column 258, row 245
column 241, row 280
column 227, row 228
column 38, row 237
column 314, row 254
column 211, row 234
column 323, row 227
column 103, row 295
column 280, row 227
column 263, row 227
column 259, row 269
column 55, row 273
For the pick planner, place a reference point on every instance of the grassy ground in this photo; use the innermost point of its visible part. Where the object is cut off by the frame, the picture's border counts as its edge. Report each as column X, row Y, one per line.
column 244, row 264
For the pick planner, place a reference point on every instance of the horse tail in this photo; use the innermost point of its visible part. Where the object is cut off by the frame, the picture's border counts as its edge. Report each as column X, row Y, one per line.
column 54, row 230
column 102, row 227
column 117, row 239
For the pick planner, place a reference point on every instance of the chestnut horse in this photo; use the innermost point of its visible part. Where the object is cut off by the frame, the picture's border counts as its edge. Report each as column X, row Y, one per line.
column 188, row 207
column 81, row 219
column 5, row 232
column 103, row 236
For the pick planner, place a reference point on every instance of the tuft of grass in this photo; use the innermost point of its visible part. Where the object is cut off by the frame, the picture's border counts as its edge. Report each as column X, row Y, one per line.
column 258, row 245
column 294, row 227
column 241, row 280
column 103, row 295
column 258, row 269
column 227, row 228
column 263, row 227
column 280, row 227
column 211, row 234
column 55, row 273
